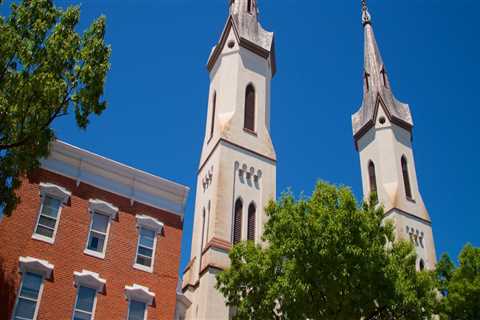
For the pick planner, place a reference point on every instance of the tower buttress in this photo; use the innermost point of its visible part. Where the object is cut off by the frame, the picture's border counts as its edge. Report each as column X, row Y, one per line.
column 237, row 170
column 382, row 130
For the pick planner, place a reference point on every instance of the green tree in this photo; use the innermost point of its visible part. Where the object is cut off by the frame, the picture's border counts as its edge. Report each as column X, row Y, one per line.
column 47, row 70
column 327, row 258
column 460, row 285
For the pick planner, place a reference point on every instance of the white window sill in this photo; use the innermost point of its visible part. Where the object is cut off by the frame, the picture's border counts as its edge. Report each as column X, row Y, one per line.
column 143, row 268
column 43, row 238
column 95, row 254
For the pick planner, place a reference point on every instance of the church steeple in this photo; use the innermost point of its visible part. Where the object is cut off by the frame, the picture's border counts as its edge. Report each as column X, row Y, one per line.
column 382, row 130
column 244, row 7
column 376, row 86
column 237, row 171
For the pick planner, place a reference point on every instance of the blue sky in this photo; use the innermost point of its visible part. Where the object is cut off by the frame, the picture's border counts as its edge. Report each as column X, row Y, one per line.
column 157, row 92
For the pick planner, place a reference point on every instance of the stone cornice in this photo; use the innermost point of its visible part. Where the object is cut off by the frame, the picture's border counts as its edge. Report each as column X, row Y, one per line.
column 136, row 185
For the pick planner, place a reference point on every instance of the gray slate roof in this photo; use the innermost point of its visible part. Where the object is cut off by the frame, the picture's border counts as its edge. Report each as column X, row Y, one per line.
column 378, row 89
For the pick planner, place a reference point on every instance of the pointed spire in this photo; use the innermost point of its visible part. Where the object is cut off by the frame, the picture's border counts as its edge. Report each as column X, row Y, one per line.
column 366, row 18
column 241, row 7
column 376, row 84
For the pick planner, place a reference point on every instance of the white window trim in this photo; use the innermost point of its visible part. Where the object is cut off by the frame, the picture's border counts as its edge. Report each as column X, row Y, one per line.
column 89, row 279
column 141, row 267
column 76, row 300
column 152, row 224
column 40, row 267
column 139, row 293
column 55, row 192
column 96, row 254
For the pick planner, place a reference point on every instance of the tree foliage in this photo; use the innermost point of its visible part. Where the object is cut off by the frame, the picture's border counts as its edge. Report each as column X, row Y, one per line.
column 47, row 70
column 460, row 285
column 327, row 258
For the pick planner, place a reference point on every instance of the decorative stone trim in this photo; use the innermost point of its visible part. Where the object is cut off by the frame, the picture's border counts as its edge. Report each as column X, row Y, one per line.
column 89, row 279
column 103, row 207
column 55, row 191
column 42, row 267
column 219, row 244
column 149, row 223
column 139, row 293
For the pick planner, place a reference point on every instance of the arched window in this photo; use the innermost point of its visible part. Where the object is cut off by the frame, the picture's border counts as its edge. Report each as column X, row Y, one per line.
column 406, row 178
column 252, row 210
column 249, row 121
column 237, row 222
column 203, row 231
column 421, row 265
column 372, row 177
column 249, row 6
column 214, row 109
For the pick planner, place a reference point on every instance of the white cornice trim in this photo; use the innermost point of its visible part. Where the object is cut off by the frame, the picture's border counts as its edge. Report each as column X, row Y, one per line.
column 139, row 293
column 55, row 191
column 103, row 207
column 138, row 186
column 149, row 223
column 42, row 267
column 89, row 279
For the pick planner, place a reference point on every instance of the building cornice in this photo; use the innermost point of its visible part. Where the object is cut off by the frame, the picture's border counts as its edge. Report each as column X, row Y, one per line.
column 106, row 174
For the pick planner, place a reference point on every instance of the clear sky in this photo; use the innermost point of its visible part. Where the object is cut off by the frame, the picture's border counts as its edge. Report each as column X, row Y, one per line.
column 157, row 92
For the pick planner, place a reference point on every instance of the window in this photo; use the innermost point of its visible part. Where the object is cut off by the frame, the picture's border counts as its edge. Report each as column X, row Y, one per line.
column 237, row 222
column 136, row 310
column 146, row 247
column 85, row 303
column 214, row 107
column 249, row 121
column 148, row 230
column 421, row 265
column 139, row 297
column 249, row 6
column 406, row 178
column 251, row 222
column 47, row 222
column 98, row 234
column 28, row 299
column 372, row 177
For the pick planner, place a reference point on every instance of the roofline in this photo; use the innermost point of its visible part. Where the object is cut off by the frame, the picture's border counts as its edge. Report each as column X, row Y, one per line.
column 244, row 43
column 126, row 181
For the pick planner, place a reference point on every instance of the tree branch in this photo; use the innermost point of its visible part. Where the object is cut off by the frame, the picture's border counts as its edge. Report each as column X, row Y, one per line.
column 55, row 115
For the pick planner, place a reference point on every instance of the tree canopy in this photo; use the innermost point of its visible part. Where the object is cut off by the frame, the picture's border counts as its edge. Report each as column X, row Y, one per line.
column 47, row 70
column 326, row 257
column 460, row 285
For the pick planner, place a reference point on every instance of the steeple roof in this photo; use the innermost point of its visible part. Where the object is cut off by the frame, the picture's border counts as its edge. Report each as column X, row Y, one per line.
column 243, row 18
column 376, row 89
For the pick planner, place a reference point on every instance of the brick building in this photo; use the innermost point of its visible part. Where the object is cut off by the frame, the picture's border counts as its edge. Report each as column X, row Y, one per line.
column 92, row 238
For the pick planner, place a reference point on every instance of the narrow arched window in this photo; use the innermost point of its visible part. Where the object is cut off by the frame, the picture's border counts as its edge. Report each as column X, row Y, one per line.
column 421, row 265
column 249, row 121
column 214, row 109
column 252, row 211
column 203, row 231
column 406, row 178
column 249, row 6
column 372, row 177
column 237, row 222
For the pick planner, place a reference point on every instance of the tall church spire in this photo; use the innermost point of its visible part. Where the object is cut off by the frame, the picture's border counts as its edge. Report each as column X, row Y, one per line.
column 382, row 129
column 376, row 86
column 237, row 171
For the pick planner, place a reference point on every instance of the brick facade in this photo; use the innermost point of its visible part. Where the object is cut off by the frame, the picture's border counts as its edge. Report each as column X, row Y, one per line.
column 67, row 253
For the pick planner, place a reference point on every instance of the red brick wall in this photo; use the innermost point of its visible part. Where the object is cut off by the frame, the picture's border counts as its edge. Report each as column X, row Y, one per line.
column 66, row 254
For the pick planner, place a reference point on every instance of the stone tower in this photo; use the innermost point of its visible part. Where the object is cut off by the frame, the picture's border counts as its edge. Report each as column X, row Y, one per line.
column 237, row 171
column 382, row 129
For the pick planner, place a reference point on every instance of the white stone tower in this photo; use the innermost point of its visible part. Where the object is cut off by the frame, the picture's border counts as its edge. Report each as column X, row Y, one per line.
column 382, row 129
column 237, row 172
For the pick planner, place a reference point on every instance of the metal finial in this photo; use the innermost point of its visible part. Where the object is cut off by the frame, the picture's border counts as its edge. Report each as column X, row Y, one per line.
column 366, row 18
